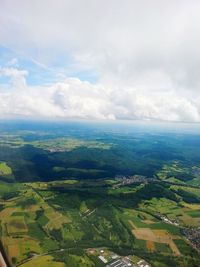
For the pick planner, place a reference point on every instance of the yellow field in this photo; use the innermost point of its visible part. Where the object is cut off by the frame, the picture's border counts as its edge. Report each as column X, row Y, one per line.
column 18, row 247
column 146, row 234
column 56, row 219
column 13, row 251
column 33, row 208
column 43, row 261
column 6, row 212
column 159, row 236
column 16, row 224
column 190, row 221
column 148, row 222
column 150, row 245
column 191, row 206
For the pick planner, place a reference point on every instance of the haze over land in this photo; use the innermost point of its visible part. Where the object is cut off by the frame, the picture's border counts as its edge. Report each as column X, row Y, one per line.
column 100, row 60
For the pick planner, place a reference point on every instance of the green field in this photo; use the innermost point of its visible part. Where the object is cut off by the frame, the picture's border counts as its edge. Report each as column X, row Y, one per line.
column 16, row 225
column 5, row 169
column 55, row 216
column 6, row 172
column 62, row 202
column 44, row 261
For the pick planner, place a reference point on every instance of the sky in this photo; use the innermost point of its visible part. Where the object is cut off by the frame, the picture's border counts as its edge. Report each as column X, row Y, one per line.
column 100, row 59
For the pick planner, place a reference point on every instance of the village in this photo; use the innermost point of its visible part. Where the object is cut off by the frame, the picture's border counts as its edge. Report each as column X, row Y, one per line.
column 127, row 180
column 193, row 236
column 111, row 259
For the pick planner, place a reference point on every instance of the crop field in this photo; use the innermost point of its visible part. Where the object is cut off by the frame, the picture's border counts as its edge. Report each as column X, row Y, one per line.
column 67, row 144
column 55, row 219
column 187, row 214
column 173, row 170
column 6, row 173
column 150, row 245
column 44, row 261
column 5, row 213
column 50, row 217
column 18, row 247
column 52, row 145
column 194, row 213
column 158, row 236
column 70, row 191
column 5, row 169
column 16, row 225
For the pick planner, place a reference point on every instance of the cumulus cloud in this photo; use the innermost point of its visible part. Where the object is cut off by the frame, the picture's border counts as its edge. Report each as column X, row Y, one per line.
column 16, row 76
column 145, row 54
column 74, row 98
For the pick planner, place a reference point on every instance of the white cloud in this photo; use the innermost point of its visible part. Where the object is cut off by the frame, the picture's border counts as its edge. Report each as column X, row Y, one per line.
column 145, row 53
column 74, row 98
column 13, row 62
column 17, row 76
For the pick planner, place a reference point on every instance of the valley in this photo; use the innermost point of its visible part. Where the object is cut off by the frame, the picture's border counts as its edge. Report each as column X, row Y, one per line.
column 107, row 199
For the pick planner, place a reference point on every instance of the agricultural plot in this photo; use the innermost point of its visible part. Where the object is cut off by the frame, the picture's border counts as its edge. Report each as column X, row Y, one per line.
column 150, row 245
column 174, row 172
column 80, row 260
column 6, row 172
column 163, row 248
column 6, row 213
column 188, row 194
column 190, row 221
column 5, row 169
column 183, row 246
column 20, row 248
column 7, row 191
column 62, row 209
column 158, row 236
column 68, row 144
column 52, row 220
column 55, row 219
column 184, row 214
column 44, row 261
column 16, row 225
column 83, row 208
column 161, row 205
column 194, row 213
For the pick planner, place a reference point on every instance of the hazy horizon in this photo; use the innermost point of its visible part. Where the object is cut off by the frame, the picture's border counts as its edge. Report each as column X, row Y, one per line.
column 120, row 125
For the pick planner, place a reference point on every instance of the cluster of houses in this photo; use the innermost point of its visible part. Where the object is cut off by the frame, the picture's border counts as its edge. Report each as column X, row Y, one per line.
column 193, row 235
column 111, row 259
column 126, row 180
column 167, row 220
